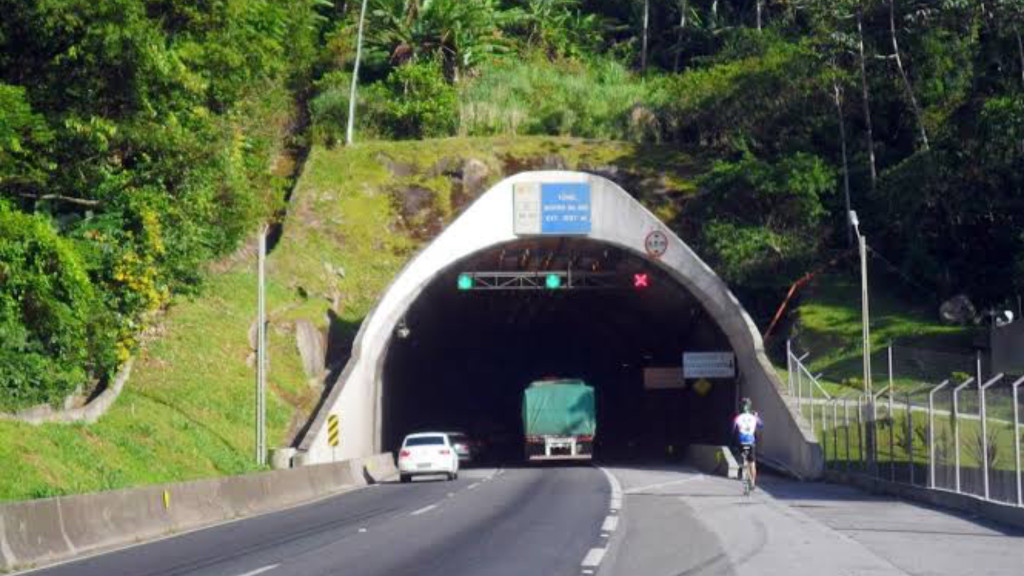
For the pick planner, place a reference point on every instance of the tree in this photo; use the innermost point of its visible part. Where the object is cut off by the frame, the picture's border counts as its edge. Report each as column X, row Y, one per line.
column 908, row 88
column 461, row 34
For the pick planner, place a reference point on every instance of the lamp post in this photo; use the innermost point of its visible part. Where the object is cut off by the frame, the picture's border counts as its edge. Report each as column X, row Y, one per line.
column 866, row 335
column 350, row 128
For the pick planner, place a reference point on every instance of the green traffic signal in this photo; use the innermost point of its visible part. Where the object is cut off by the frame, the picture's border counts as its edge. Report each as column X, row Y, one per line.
column 553, row 281
column 465, row 282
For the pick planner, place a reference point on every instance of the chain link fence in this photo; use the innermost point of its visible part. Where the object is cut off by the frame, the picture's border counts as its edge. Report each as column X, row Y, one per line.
column 929, row 418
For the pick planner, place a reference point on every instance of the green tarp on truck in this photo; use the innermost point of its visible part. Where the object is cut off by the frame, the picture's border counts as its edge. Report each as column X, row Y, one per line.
column 559, row 408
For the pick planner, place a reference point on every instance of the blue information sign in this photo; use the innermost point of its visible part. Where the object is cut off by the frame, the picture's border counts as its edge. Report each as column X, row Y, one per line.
column 565, row 208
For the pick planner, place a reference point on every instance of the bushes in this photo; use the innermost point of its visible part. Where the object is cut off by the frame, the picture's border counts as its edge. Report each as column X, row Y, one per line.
column 759, row 221
column 55, row 334
column 142, row 132
column 415, row 101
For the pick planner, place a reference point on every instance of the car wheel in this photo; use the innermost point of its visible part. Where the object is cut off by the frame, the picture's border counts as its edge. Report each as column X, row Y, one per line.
column 405, row 478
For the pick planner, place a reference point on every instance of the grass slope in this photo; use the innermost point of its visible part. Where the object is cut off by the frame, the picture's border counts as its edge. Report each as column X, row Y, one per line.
column 828, row 327
column 357, row 216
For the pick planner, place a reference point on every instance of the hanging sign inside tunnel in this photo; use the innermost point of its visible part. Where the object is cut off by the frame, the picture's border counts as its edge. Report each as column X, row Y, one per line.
column 555, row 208
column 709, row 365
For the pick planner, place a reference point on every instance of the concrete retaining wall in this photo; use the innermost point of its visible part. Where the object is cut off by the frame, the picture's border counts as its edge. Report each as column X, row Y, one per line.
column 1002, row 513
column 713, row 460
column 38, row 532
column 89, row 413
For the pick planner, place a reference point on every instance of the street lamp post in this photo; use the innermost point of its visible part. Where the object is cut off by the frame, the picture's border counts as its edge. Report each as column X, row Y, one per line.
column 866, row 335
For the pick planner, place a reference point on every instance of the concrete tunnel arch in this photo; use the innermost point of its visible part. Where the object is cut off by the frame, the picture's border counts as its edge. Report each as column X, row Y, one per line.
column 617, row 219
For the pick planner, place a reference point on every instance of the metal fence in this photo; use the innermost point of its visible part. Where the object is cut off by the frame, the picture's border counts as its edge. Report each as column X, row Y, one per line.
column 932, row 419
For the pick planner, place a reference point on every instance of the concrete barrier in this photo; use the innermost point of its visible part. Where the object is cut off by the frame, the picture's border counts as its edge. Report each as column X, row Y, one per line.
column 1002, row 513
column 713, row 460
column 39, row 532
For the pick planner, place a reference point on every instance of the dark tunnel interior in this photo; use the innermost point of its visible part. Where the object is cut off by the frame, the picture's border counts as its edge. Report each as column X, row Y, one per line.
column 467, row 355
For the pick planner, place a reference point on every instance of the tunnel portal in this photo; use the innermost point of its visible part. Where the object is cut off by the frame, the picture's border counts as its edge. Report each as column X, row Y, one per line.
column 431, row 356
column 464, row 355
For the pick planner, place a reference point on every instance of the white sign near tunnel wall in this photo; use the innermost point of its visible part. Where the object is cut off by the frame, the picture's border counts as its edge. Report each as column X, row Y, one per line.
column 556, row 208
column 709, row 365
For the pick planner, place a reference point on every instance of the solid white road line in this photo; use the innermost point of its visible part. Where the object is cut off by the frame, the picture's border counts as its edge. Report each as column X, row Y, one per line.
column 614, row 482
column 610, row 524
column 640, row 489
column 260, row 570
column 423, row 510
column 593, row 558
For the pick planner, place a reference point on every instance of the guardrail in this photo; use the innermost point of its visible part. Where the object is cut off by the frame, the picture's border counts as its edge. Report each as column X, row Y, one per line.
column 959, row 435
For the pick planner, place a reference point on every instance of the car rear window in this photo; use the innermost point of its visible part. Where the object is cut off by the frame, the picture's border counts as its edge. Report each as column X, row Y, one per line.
column 424, row 441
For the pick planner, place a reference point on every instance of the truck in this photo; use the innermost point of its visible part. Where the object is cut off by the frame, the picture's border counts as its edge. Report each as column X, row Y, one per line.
column 559, row 420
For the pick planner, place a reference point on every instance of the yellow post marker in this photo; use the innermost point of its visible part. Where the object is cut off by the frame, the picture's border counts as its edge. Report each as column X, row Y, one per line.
column 333, row 434
column 167, row 499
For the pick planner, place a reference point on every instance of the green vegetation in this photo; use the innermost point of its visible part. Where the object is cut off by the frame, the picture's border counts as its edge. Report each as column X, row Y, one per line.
column 141, row 141
column 188, row 410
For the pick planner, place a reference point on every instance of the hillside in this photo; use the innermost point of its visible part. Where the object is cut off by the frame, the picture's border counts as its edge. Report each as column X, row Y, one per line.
column 356, row 216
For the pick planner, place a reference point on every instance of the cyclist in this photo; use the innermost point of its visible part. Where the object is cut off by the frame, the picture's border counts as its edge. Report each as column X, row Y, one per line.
column 746, row 425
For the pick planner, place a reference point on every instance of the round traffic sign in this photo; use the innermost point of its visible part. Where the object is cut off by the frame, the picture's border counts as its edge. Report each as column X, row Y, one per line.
column 656, row 243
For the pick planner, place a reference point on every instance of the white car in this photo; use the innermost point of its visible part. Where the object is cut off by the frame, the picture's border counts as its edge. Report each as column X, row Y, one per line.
column 427, row 453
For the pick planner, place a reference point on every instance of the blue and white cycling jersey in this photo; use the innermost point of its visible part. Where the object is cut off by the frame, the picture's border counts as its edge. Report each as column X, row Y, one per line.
column 746, row 425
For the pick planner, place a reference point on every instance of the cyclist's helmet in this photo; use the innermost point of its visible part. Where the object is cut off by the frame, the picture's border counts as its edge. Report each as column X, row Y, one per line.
column 746, row 406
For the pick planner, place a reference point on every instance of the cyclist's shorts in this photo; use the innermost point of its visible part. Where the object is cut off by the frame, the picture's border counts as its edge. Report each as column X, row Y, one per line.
column 751, row 450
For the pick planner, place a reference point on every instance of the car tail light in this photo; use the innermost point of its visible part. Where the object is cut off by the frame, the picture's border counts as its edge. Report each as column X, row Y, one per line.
column 585, row 438
column 534, row 439
column 404, row 454
column 445, row 451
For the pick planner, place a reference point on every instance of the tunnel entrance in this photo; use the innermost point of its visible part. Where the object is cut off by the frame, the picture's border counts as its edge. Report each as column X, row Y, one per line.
column 461, row 358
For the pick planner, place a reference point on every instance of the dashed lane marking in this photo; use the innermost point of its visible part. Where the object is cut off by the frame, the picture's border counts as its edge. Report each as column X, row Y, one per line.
column 610, row 524
column 593, row 558
column 423, row 510
column 260, row 570
column 472, row 486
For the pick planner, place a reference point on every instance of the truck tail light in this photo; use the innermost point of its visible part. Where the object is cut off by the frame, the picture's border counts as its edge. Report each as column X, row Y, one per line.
column 585, row 438
column 404, row 454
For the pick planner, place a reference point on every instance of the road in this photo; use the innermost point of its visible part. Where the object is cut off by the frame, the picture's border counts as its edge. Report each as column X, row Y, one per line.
column 507, row 522
column 633, row 520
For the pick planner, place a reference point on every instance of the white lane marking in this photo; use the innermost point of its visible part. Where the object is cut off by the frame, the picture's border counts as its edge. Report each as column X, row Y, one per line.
column 610, row 524
column 615, row 504
column 451, row 495
column 640, row 489
column 362, row 530
column 423, row 510
column 472, row 486
column 593, row 558
column 260, row 570
column 588, row 571
column 614, row 482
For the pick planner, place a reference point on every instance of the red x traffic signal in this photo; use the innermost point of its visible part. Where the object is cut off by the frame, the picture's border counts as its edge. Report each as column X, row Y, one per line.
column 641, row 281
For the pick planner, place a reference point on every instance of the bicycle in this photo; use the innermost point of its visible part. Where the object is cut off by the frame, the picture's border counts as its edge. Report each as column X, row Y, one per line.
column 746, row 470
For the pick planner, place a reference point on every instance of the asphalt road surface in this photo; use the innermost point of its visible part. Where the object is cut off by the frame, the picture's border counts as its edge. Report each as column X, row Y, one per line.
column 582, row 520
column 508, row 522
